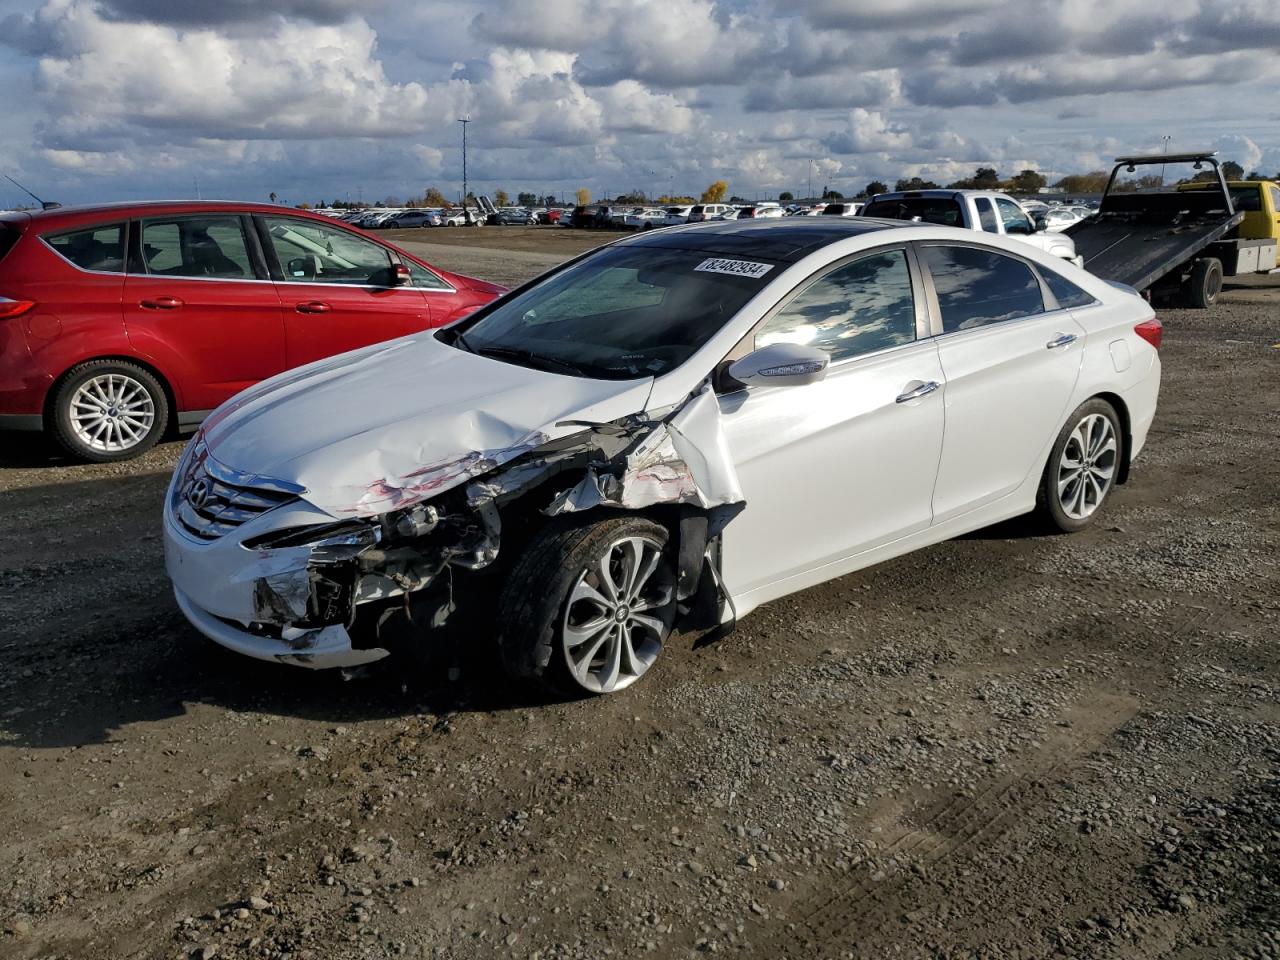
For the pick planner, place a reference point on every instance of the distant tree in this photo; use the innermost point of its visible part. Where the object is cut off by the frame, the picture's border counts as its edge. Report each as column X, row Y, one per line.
column 583, row 196
column 1232, row 170
column 304, row 206
column 716, row 192
column 786, row 196
column 1028, row 181
column 986, row 178
column 391, row 202
column 527, row 199
column 915, row 183
column 1254, row 175
column 273, row 196
column 634, row 197
column 434, row 198
column 874, row 187
column 832, row 195
column 1094, row 181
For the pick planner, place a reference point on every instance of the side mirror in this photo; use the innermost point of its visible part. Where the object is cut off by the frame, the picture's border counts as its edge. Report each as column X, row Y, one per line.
column 781, row 365
column 301, row 268
column 1041, row 224
column 396, row 275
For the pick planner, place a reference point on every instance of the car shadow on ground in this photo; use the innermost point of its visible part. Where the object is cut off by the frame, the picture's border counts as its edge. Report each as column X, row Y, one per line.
column 22, row 448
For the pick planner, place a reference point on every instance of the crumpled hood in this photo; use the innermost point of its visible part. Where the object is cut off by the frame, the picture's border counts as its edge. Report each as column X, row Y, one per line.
column 398, row 422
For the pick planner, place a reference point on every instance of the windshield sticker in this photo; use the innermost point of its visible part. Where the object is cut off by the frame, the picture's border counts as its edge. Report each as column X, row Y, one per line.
column 737, row 268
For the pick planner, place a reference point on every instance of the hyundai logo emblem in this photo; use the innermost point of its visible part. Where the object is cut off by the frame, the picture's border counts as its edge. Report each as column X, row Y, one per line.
column 198, row 493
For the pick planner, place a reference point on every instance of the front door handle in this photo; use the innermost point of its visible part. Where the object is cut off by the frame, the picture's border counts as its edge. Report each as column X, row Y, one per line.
column 313, row 306
column 921, row 391
column 161, row 303
column 1061, row 340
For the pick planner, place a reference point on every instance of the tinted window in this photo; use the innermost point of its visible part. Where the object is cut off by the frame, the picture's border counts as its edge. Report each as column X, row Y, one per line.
column 941, row 210
column 1275, row 199
column 977, row 287
column 1066, row 292
column 859, row 308
column 97, row 248
column 318, row 253
column 1014, row 217
column 1248, row 199
column 8, row 237
column 212, row 246
column 987, row 215
column 622, row 313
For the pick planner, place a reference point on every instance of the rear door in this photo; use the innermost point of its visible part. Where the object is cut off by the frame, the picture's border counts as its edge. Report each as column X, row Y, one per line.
column 198, row 295
column 335, row 289
column 1011, row 361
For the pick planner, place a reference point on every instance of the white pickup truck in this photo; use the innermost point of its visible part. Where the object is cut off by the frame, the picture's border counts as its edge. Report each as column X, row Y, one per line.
column 979, row 210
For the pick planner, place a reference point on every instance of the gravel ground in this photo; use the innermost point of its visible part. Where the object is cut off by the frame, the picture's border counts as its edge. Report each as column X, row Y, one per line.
column 1006, row 746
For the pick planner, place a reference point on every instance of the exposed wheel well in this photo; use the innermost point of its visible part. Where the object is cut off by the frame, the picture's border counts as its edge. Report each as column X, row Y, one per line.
column 1123, row 411
column 151, row 369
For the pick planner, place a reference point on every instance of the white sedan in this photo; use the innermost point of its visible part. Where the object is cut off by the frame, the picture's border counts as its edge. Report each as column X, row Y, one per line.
column 687, row 422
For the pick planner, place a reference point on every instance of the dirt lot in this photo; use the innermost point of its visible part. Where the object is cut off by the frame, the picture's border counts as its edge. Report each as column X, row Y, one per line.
column 1007, row 746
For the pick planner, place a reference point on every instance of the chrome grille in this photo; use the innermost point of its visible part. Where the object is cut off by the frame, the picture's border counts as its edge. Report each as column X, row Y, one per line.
column 213, row 500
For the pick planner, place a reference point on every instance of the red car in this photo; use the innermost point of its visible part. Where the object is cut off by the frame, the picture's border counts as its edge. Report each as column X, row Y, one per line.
column 118, row 322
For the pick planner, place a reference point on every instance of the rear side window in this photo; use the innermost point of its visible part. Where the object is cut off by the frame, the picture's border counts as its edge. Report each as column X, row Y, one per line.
column 201, row 247
column 94, row 248
column 1064, row 291
column 1248, row 199
column 980, row 287
column 987, row 215
column 8, row 237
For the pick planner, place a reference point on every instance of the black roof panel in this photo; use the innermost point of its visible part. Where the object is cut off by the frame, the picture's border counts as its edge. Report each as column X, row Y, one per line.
column 787, row 239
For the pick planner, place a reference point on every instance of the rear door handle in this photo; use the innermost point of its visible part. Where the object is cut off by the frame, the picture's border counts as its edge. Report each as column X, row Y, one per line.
column 313, row 306
column 161, row 303
column 1061, row 340
column 921, row 391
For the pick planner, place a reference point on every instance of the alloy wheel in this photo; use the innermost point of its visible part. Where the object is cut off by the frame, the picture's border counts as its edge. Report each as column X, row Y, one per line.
column 112, row 412
column 618, row 615
column 1087, row 466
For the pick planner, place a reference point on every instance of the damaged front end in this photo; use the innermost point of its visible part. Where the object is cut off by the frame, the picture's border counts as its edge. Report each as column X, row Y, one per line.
column 382, row 577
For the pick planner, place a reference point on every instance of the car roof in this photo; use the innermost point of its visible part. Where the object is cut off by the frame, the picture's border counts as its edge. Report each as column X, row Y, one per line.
column 89, row 213
column 788, row 239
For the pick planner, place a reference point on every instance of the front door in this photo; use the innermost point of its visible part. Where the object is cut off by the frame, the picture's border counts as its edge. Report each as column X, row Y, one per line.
column 335, row 290
column 838, row 467
column 1011, row 367
column 196, row 296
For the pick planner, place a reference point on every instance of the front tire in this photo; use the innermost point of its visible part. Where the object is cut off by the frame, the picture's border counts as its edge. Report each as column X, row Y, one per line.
column 588, row 607
column 109, row 410
column 1082, row 468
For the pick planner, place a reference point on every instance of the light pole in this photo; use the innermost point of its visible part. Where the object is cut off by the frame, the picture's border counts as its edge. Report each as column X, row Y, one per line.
column 464, row 166
column 1166, row 138
column 810, row 197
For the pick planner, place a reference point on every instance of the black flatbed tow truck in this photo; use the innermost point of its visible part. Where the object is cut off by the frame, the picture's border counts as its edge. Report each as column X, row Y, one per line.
column 1165, row 242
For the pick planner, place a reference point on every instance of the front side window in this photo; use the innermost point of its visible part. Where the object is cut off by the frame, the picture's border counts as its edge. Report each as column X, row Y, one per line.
column 1275, row 199
column 859, row 308
column 987, row 215
column 1015, row 219
column 980, row 287
column 620, row 314
column 94, row 248
column 422, row 277
column 318, row 253
column 202, row 247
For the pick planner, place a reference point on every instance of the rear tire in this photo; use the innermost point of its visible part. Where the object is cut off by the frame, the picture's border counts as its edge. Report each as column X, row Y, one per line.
column 109, row 410
column 1205, row 283
column 1082, row 469
column 588, row 607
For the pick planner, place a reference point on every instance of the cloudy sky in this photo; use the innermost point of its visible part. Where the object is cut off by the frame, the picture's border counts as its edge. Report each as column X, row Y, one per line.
column 118, row 99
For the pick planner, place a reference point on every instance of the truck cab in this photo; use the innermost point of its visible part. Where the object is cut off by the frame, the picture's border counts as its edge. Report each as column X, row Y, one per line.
column 984, row 211
column 1258, row 200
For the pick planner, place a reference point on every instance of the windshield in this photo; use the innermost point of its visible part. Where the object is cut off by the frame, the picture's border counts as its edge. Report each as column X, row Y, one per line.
column 620, row 314
column 941, row 210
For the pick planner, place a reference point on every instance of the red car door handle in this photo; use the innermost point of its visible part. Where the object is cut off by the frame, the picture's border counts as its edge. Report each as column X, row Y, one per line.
column 313, row 306
column 161, row 303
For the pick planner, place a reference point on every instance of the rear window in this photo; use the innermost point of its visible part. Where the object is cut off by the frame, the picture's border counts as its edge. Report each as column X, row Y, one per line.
column 941, row 210
column 93, row 248
column 8, row 237
column 1248, row 199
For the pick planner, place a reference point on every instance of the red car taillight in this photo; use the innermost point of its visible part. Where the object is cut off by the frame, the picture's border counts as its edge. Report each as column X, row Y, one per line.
column 14, row 308
column 1151, row 331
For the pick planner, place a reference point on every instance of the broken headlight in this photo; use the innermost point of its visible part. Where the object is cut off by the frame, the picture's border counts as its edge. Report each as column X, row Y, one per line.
column 415, row 521
column 342, row 540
